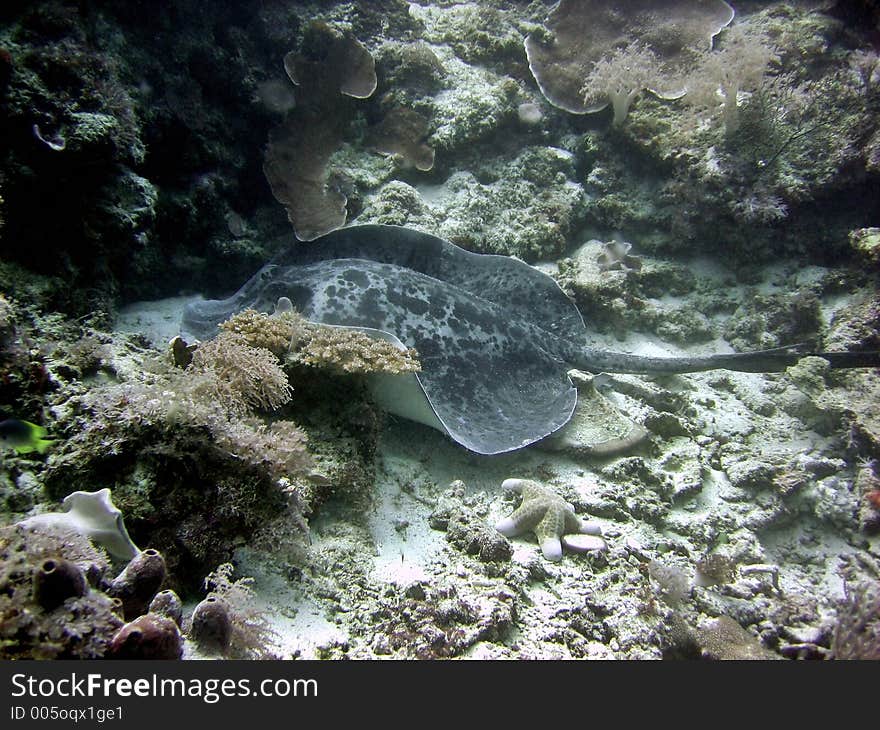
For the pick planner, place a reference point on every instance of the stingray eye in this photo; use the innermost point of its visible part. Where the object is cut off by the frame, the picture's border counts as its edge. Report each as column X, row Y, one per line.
column 267, row 272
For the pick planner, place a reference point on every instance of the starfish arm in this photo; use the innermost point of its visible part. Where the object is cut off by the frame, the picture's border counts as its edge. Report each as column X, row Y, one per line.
column 591, row 528
column 513, row 485
column 583, row 543
column 507, row 527
column 552, row 548
column 523, row 519
column 573, row 523
column 549, row 530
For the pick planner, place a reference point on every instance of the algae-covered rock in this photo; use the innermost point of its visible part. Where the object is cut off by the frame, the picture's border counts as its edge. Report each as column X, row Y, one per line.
column 866, row 242
column 525, row 206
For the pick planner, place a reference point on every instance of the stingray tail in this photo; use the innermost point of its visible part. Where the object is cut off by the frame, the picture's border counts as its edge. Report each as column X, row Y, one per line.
column 759, row 361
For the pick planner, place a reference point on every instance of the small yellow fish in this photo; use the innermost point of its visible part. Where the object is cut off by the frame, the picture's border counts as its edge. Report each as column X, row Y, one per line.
column 24, row 436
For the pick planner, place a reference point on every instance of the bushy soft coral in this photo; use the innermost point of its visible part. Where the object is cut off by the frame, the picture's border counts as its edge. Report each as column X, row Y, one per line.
column 252, row 374
column 740, row 65
column 620, row 77
column 193, row 475
column 251, row 636
column 857, row 631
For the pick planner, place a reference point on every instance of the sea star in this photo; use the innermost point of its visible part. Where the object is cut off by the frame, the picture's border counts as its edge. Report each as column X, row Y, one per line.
column 551, row 518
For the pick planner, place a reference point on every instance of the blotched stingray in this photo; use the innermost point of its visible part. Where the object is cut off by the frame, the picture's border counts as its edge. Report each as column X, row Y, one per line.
column 495, row 336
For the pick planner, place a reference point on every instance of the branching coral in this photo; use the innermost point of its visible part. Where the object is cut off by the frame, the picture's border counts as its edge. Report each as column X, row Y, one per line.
column 350, row 351
column 340, row 349
column 274, row 333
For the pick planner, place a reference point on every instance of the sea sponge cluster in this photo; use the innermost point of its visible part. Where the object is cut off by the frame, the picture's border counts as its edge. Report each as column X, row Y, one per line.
column 57, row 602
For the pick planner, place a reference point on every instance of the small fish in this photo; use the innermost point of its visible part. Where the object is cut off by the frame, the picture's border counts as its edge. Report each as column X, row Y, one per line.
column 24, row 436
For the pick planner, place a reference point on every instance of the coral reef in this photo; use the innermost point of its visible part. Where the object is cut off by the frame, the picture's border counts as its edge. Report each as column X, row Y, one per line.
column 580, row 37
column 301, row 343
column 172, row 447
column 525, row 206
column 740, row 511
column 724, row 638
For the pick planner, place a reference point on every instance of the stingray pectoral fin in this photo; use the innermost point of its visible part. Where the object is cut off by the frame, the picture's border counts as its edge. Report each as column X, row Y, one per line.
column 401, row 394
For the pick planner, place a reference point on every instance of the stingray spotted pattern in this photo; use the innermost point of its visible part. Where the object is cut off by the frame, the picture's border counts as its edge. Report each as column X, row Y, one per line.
column 495, row 336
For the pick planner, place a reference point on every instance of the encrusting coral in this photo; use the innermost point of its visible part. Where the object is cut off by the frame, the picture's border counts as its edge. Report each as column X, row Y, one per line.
column 336, row 349
column 349, row 351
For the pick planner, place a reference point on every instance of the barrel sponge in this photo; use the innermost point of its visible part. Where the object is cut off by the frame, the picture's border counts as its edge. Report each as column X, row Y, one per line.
column 150, row 636
column 211, row 625
column 139, row 581
column 56, row 580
